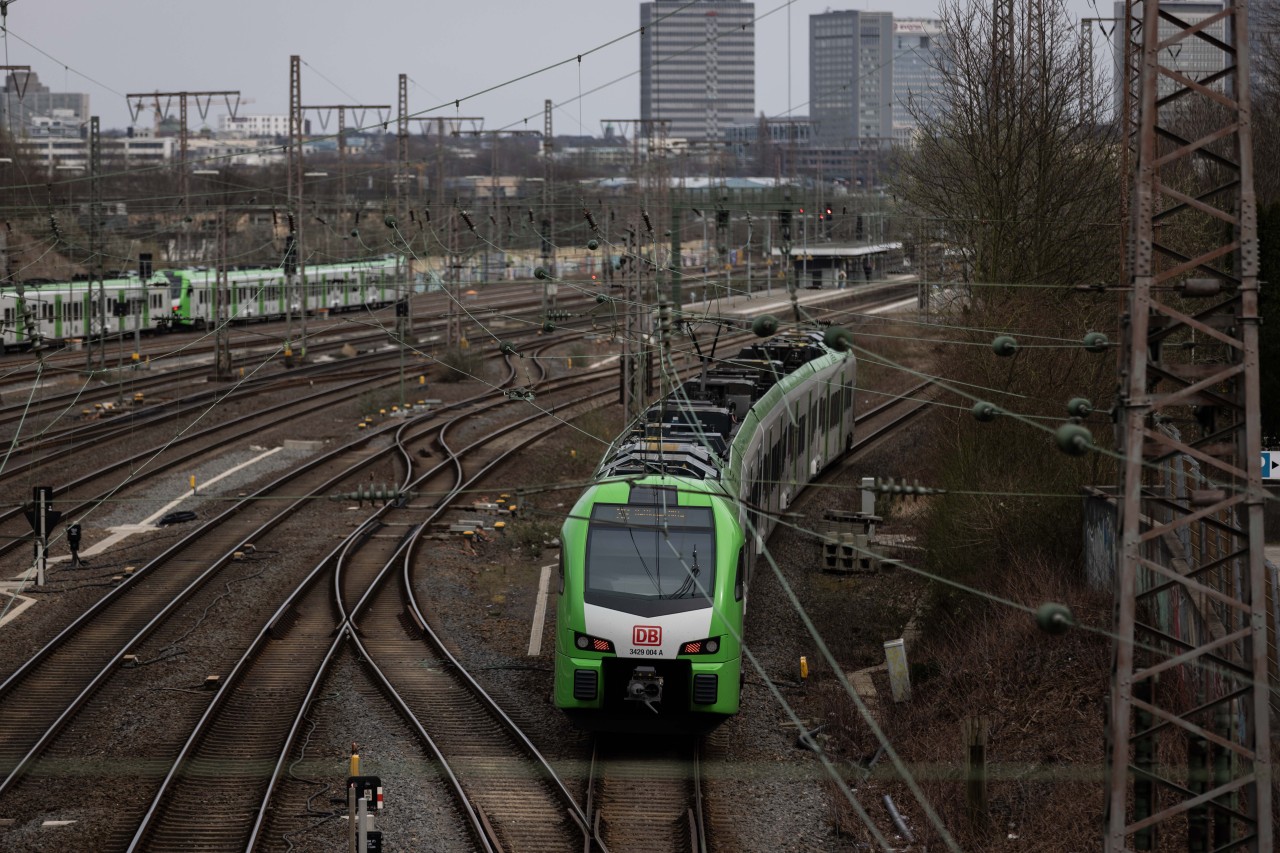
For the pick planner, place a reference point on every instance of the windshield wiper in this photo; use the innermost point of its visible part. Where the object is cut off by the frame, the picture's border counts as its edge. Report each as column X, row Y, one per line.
column 688, row 588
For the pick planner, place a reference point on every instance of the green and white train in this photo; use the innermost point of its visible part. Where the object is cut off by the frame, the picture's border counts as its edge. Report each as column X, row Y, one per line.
column 656, row 554
column 170, row 300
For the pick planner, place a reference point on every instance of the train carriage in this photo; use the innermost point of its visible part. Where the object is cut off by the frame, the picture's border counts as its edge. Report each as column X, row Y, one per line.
column 176, row 299
column 656, row 554
column 57, row 312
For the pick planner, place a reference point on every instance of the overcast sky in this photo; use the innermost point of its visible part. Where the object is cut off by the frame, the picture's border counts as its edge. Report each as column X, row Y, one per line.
column 353, row 52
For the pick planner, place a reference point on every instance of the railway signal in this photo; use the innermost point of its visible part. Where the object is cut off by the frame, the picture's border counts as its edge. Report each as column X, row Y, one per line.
column 43, row 518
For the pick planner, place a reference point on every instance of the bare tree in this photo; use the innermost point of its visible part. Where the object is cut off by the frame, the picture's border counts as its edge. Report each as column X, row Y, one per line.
column 1016, row 176
column 1014, row 170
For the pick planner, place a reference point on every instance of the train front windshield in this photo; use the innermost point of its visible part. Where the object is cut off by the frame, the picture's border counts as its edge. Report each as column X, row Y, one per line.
column 651, row 552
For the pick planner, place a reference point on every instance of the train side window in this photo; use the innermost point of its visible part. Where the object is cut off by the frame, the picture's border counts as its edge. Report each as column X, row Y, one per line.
column 834, row 409
column 8, row 316
column 740, row 582
column 804, row 435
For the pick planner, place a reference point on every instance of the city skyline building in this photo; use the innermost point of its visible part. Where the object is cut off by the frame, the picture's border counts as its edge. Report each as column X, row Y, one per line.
column 697, row 67
column 28, row 108
column 917, row 75
column 1194, row 57
column 851, row 95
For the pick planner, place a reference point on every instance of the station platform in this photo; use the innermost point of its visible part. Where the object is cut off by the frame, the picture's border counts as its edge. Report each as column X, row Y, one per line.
column 777, row 301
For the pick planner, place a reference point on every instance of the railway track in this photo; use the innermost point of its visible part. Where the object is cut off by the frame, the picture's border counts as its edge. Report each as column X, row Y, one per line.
column 87, row 491
column 114, row 399
column 41, row 695
column 65, row 658
column 647, row 796
column 507, row 791
column 22, row 365
column 498, row 808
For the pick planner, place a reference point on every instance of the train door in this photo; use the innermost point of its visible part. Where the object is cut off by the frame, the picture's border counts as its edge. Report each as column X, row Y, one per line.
column 57, row 316
column 813, row 433
column 10, row 321
column 788, row 460
column 775, row 471
column 834, row 435
column 75, row 307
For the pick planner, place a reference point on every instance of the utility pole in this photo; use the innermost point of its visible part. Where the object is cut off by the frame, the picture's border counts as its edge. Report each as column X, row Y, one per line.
column 221, row 307
column 203, row 100
column 325, row 110
column 1127, row 123
column 20, row 88
column 1188, row 730
column 453, row 319
column 403, row 321
column 548, row 219
column 1087, row 79
column 298, row 274
column 495, row 188
column 95, row 247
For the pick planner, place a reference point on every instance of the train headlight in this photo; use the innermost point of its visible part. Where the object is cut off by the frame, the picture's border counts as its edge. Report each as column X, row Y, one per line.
column 709, row 646
column 592, row 644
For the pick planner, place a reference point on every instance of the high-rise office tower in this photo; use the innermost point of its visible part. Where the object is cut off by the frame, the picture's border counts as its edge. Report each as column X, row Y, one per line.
column 697, row 66
column 1193, row 57
column 917, row 80
column 851, row 78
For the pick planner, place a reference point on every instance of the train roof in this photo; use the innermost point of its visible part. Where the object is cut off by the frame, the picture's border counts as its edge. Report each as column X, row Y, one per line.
column 688, row 432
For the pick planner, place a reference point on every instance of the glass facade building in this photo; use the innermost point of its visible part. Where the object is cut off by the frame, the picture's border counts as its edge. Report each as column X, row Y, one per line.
column 917, row 52
column 851, row 78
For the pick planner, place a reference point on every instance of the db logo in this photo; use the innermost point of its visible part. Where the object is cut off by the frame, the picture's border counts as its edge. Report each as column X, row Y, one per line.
column 646, row 635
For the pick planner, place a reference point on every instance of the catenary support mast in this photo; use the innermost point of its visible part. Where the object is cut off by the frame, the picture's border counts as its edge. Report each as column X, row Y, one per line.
column 1189, row 737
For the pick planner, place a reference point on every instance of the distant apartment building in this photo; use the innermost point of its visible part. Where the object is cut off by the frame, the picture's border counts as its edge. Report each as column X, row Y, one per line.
column 71, row 155
column 1192, row 56
column 917, row 78
column 697, row 66
column 851, row 94
column 782, row 136
column 255, row 125
column 29, row 108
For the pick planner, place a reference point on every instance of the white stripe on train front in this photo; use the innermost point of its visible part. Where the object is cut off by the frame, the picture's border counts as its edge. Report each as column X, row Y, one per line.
column 647, row 637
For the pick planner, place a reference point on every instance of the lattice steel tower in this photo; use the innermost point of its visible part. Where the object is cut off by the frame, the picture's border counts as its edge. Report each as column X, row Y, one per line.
column 1189, row 738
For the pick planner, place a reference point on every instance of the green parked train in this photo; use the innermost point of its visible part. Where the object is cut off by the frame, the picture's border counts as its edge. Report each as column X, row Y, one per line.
column 656, row 554
column 53, row 313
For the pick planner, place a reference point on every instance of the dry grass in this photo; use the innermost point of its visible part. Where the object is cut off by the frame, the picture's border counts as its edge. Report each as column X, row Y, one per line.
column 1043, row 698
